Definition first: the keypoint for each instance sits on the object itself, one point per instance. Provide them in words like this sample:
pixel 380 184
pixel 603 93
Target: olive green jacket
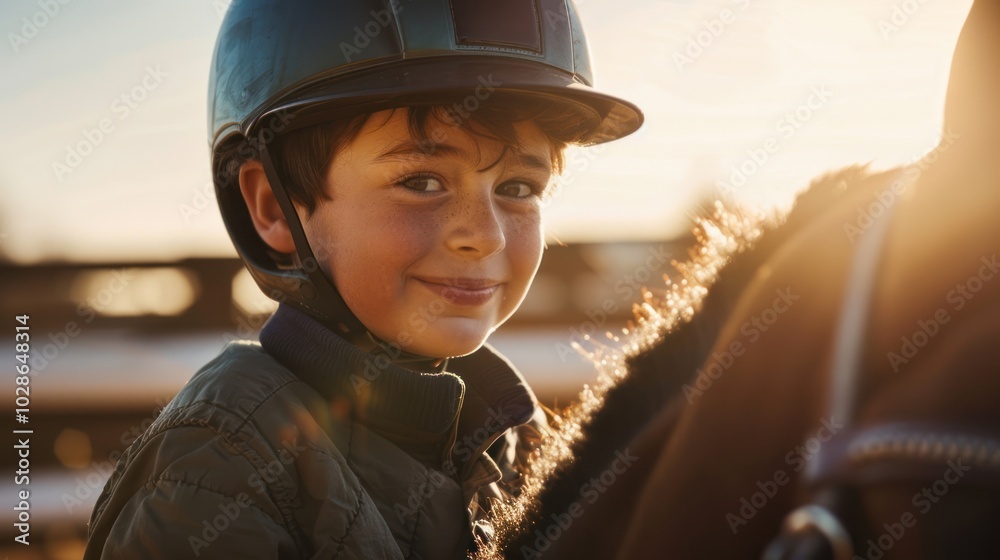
pixel 304 446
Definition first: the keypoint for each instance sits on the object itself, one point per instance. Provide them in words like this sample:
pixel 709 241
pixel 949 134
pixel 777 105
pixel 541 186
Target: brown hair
pixel 303 156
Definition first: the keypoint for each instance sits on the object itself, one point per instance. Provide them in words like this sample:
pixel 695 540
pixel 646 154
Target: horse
pixel 816 385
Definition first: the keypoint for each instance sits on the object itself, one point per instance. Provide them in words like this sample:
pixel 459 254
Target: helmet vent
pixel 511 23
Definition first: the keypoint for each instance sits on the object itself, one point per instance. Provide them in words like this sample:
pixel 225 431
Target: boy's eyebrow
pixel 409 148
pixel 532 161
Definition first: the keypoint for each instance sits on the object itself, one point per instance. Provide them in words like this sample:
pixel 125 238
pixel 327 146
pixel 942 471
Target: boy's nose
pixel 475 226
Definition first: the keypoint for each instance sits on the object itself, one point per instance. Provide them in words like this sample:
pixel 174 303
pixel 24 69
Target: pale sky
pixel 819 84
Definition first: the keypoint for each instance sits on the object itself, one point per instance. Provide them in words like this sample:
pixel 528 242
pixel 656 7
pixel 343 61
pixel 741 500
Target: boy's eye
pixel 515 189
pixel 423 184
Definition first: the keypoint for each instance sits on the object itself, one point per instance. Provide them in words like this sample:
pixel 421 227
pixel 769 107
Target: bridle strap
pixel 808 527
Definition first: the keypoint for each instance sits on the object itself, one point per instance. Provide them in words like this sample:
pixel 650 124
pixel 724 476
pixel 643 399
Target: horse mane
pixel 671 337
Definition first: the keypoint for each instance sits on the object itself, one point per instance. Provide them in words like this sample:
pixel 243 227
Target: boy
pixel 379 168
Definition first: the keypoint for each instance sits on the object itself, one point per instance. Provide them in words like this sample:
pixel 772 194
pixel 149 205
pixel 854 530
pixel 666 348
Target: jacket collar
pixel 445 419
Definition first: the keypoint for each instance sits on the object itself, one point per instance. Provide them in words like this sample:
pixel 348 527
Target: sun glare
pixel 743 98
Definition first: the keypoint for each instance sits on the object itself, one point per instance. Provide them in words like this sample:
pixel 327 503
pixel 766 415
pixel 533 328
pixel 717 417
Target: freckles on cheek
pixel 396 239
pixel 525 238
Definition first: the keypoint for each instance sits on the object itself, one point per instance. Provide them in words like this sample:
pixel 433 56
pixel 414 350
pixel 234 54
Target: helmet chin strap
pixel 316 294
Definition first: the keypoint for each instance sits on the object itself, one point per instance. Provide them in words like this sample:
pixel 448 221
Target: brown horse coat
pixel 720 465
pixel 727 475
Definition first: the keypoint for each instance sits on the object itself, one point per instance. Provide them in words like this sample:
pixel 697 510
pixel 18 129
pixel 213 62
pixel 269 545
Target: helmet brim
pixel 427 81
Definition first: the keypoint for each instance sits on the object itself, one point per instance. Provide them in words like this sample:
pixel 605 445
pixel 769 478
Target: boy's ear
pixel 267 216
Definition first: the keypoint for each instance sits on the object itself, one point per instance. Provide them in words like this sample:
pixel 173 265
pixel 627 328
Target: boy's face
pixel 433 248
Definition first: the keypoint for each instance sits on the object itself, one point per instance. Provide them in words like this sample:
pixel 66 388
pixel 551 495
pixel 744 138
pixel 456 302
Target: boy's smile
pixel 433 244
